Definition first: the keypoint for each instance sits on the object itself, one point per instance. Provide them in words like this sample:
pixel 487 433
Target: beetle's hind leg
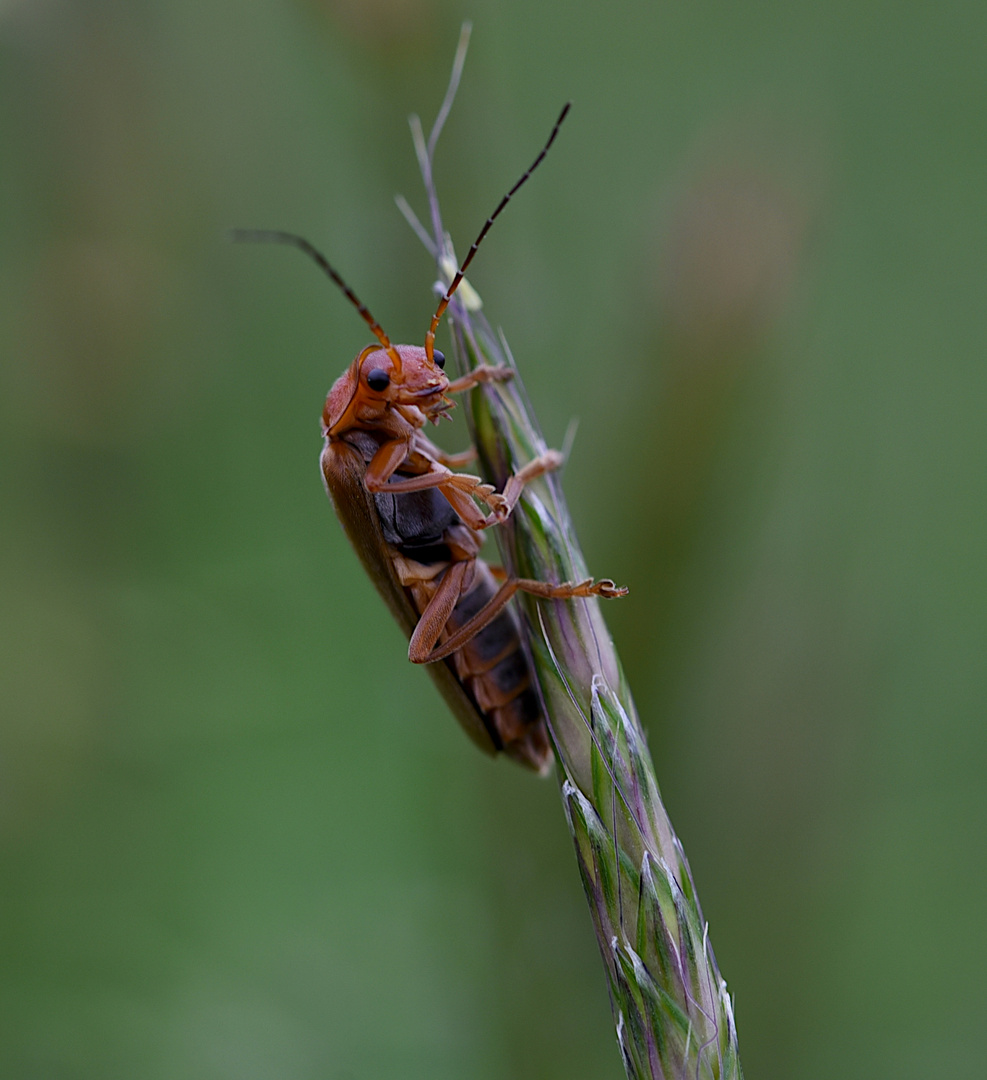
pixel 436 614
pixel 422 648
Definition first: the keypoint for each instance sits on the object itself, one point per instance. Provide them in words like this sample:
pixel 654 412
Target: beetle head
pixel 375 381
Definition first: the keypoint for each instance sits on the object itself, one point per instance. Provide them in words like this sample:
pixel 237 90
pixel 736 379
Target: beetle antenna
pixel 454 285
pixel 276 236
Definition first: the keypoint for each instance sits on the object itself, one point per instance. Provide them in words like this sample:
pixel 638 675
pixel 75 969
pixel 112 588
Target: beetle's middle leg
pixel 458 488
pixel 549 461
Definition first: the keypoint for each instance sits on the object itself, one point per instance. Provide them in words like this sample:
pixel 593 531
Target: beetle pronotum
pixel 417 525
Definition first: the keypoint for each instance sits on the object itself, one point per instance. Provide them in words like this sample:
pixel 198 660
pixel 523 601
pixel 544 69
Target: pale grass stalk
pixel 673 1015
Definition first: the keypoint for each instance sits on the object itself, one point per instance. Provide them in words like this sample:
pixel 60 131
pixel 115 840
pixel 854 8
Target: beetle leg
pixel 547 462
pixel 566 591
pixel 482 373
pixel 503 503
pixel 391 455
pixel 459 488
pixel 500 505
pixel 385 463
pixel 436 614
pixel 453 461
pixel 471 515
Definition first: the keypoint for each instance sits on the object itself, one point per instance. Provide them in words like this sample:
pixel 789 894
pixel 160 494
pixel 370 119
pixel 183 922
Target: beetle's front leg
pixel 458 460
pixel 451 461
pixel 482 373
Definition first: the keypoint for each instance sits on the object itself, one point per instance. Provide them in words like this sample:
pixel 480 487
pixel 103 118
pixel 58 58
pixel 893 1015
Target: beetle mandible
pixel 417 525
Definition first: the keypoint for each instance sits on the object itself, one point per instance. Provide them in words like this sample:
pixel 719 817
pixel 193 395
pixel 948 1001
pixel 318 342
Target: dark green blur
pixel 240 837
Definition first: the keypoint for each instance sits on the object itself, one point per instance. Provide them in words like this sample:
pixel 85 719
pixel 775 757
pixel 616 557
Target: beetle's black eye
pixel 378 380
pixel 439 358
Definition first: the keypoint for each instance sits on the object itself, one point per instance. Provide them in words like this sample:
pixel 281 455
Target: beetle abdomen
pixel 494 670
pixel 415 521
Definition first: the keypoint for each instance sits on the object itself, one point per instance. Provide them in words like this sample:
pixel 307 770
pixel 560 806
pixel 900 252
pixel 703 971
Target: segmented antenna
pixel 275 236
pixel 454 285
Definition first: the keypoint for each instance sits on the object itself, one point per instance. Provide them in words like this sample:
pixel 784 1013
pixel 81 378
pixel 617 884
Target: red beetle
pixel 417 525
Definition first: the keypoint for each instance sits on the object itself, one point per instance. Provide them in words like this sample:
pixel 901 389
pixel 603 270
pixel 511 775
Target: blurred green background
pixel 241 837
